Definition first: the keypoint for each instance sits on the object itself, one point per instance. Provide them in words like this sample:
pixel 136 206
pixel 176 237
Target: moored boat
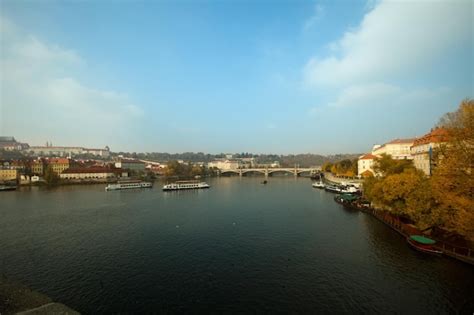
pixel 319 184
pixel 349 190
pixel 186 184
pixel 128 185
pixel 7 187
pixel 423 244
pixel 333 188
pixel 346 199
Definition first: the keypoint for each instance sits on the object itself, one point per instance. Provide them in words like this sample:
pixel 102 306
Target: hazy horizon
pixel 316 77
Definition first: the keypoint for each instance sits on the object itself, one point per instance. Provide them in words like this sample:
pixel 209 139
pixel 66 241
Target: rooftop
pixel 82 170
pixel 434 136
pixel 368 156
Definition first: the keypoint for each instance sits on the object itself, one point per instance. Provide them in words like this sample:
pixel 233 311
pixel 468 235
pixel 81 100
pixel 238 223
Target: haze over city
pixel 320 77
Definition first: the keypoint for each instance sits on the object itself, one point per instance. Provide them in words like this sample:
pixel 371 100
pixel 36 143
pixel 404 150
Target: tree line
pixel 444 200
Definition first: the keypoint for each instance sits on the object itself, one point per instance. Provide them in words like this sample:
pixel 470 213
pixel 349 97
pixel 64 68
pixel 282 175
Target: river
pixel 238 247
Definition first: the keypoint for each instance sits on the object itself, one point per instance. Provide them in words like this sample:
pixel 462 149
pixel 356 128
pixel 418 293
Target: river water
pixel 238 247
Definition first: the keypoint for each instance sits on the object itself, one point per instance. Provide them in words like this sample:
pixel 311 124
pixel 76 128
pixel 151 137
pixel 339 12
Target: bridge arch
pixel 255 171
pixel 229 172
pixel 285 171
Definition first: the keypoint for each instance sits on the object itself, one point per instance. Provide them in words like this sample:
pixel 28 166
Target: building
pixel 10 144
pixel 225 164
pixel 60 151
pixel 423 147
pixel 98 152
pixel 130 164
pixel 88 173
pixel 9 174
pixel 365 165
pixel 55 151
pixel 59 165
pixel 398 149
pixel 37 167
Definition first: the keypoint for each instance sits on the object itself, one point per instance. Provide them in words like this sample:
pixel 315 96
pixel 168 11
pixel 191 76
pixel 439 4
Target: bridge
pixel 296 171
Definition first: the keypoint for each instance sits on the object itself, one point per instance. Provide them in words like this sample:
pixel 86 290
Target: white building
pixel 423 147
pixel 88 173
pixel 225 164
pixel 365 165
pixel 67 151
pixel 398 149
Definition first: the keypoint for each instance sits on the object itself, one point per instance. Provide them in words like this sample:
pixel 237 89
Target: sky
pixel 217 76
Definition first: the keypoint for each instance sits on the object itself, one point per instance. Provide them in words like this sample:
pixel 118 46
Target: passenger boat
pixel 186 184
pixel 423 244
pixel 128 185
pixel 332 188
pixel 7 187
pixel 349 190
pixel 319 184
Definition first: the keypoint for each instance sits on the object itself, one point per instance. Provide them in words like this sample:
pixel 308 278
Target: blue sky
pixel 231 76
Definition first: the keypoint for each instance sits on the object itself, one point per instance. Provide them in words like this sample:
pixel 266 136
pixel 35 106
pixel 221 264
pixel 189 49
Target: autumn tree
pixel 452 180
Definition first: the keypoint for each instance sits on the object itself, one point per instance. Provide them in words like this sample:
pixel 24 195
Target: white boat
pixel 319 184
pixel 7 187
pixel 128 185
pixel 331 188
pixel 349 190
pixel 186 184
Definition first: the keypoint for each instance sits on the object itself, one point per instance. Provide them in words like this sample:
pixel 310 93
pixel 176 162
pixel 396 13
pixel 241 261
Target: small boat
pixel 128 185
pixel 264 182
pixel 319 184
pixel 423 244
pixel 186 184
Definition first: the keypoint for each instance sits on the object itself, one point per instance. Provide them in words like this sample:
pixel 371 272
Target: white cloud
pixel 42 98
pixel 372 95
pixel 318 14
pixel 394 39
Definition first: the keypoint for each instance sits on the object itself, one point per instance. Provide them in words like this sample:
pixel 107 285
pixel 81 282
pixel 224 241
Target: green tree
pixel 385 165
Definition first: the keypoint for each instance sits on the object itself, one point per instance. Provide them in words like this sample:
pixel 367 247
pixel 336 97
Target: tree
pixel 385 165
pixel 452 179
pixel 50 176
pixel 327 166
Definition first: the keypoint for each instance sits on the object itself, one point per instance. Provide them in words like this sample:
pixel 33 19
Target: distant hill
pixel 303 160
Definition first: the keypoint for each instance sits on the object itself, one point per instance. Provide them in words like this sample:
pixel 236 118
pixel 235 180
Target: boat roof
pixel 187 181
pixel 349 197
pixel 422 239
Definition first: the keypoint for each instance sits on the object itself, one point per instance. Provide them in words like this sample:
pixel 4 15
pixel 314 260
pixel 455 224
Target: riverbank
pixel 16 298
pixel 464 254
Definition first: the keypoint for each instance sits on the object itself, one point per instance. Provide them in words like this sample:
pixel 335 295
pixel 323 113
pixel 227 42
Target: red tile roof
pixel 368 157
pixel 82 170
pixel 131 161
pixel 58 161
pixel 399 141
pixel 434 136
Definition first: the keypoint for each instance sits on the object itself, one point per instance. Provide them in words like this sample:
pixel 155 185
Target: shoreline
pixel 16 298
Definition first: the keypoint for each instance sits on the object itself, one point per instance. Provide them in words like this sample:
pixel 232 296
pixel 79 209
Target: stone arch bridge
pixel 296 171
